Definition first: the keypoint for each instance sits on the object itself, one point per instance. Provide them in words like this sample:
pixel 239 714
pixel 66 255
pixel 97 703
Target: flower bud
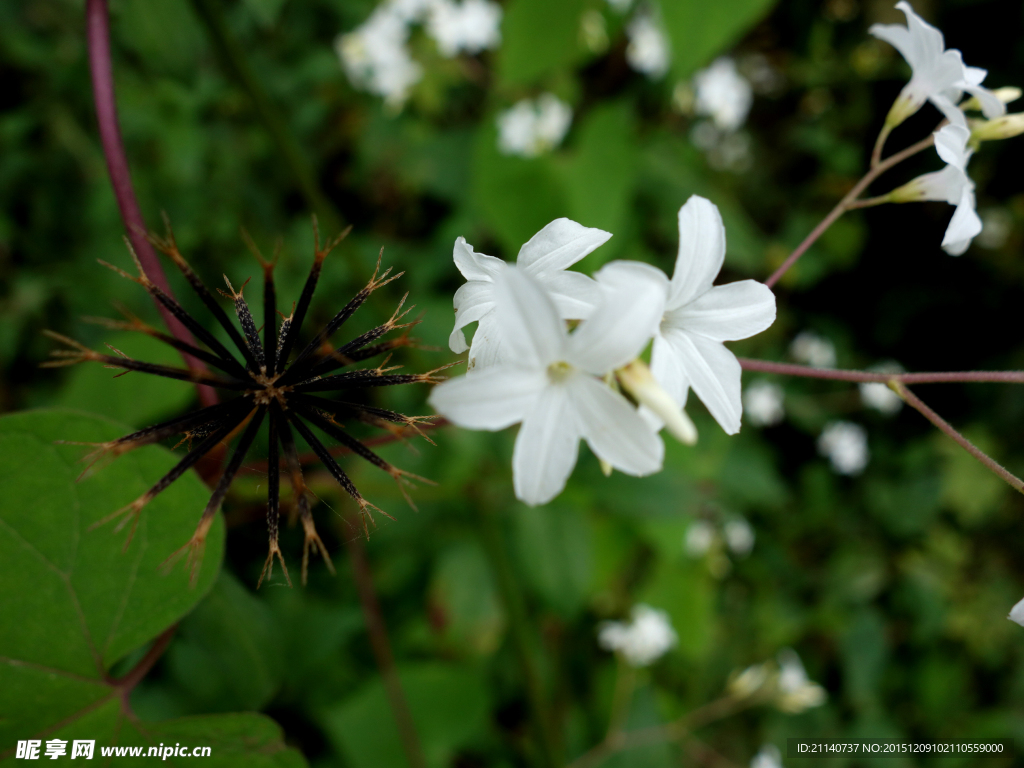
pixel 1005 95
pixel 637 380
pixel 1003 127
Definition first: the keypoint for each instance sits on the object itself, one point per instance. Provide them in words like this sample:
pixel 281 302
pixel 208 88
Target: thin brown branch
pixel 835 374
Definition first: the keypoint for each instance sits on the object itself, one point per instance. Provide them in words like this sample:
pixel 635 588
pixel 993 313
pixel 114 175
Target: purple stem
pixel 787 369
pixel 97 25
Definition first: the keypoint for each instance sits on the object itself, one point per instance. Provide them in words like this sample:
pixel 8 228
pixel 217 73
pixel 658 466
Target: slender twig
pixel 868 202
pixel 915 402
pixel 835 374
pixel 98 32
pixel 876 153
pixel 843 205
pixel 514 604
pixel 126 684
pixel 381 645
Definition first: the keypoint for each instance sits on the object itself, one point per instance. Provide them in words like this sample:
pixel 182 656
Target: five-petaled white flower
pixel 545 257
pixel 548 379
pixel 698 316
pixel 939 74
pixel 952 185
pixel 642 641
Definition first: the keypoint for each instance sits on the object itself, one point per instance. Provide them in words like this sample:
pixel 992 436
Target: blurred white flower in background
pixel 1017 613
pixel 795 691
pixel 768 756
pixel 845 444
pixel 951 185
pixel 550 380
pixel 996 227
pixel 811 349
pixel 533 126
pixel 877 395
pixel 470 26
pixel 939 74
pixel 545 257
pixel 723 94
pixel 699 538
pixel 620 5
pixel 643 640
pixel 763 404
pixel 739 537
pixel 648 51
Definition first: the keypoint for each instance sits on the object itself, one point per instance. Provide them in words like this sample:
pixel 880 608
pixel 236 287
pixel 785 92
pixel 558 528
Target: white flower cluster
pixel 845 444
pixel 376 58
pixel 526 366
pixel 648 50
pixel 533 126
pixel 768 756
pixel 784 683
pixel 737 534
pixel 812 349
pixel 764 404
pixel 641 641
pixel 723 94
pixel 940 76
pixel 875 394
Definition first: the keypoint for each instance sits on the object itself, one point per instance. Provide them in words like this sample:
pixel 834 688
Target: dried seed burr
pixel 266 386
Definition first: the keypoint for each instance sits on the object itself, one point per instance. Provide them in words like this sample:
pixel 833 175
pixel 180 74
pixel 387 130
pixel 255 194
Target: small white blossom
pixel 951 185
pixel 845 444
pixel 699 538
pixel 532 127
pixel 939 74
pixel 470 26
pixel 795 691
pixel 546 257
pixel 1017 613
pixel 811 349
pixel 550 381
pixel 763 404
pixel 877 395
pixel 375 58
pixel 769 756
pixel 739 537
pixel 749 681
pixel 723 94
pixel 621 6
pixel 697 317
pixel 642 641
pixel 648 49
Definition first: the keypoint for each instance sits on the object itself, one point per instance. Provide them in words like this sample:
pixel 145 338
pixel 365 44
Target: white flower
pixel 811 349
pixel 642 641
pixel 1017 613
pixel 939 74
pixel 467 27
pixel 620 5
pixel 532 127
pixel 763 404
pixel 546 257
pixel 749 681
pixel 375 57
pixel 548 380
pixel 648 49
pixel 951 185
pixel 846 446
pixel 698 316
pixel 739 537
pixel 877 395
pixel 768 757
pixel 723 94
pixel 795 692
pixel 699 538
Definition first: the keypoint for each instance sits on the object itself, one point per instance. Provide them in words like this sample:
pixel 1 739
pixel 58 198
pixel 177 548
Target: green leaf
pixel 448 704
pixel 465 597
pixel 700 31
pixel 968 487
pixel 164 33
pixel 538 37
pixel 135 398
pixel 76 601
pixel 553 548
pixel 684 590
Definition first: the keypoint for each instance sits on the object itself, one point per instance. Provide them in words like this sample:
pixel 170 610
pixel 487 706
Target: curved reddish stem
pixel 836 374
pixel 97 26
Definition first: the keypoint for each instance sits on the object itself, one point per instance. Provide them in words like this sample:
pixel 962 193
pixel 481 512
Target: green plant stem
pixel 237 65
pixel 516 609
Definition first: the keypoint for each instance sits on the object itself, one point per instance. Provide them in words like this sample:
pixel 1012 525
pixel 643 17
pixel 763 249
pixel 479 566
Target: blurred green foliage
pixel 893 587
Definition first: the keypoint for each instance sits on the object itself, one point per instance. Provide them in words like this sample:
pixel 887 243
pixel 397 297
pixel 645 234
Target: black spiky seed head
pixel 262 383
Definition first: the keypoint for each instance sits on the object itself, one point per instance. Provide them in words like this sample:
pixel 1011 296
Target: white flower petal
pixel 727 312
pixel 530 327
pixel 963 227
pixel 613 429
pixel 946 185
pixel 631 307
pixel 487 349
pixel 667 368
pixel 490 399
pixel 701 250
pixel 546 447
pixel 575 295
pixel 1017 613
pixel 951 145
pixel 558 246
pixel 472 301
pixel 475 266
pixel 991 105
pixel 714 374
